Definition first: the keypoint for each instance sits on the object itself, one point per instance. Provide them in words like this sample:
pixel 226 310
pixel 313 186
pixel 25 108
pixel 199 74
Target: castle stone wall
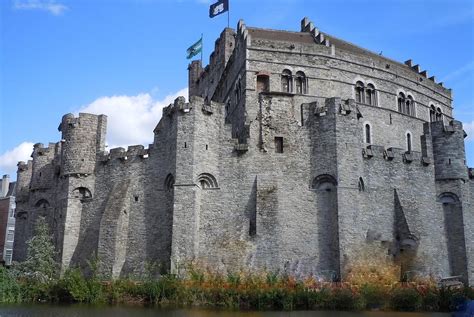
pixel 266 180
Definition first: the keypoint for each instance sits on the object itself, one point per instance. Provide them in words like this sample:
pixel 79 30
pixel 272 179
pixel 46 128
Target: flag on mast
pixel 194 49
pixel 219 7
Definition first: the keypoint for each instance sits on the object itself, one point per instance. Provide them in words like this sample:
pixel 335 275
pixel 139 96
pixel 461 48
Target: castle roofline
pixel 309 34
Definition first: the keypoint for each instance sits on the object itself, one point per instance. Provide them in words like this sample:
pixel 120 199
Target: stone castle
pixel 296 152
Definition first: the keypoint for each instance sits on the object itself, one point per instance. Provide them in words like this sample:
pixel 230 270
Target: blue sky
pixel 126 58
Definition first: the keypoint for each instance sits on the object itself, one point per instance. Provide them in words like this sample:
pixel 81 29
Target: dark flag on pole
pixel 194 49
pixel 219 7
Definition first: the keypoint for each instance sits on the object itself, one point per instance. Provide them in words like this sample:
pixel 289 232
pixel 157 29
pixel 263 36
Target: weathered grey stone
pixel 256 172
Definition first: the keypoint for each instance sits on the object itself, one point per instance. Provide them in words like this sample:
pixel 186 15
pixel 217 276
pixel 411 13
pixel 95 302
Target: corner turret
pixel 83 139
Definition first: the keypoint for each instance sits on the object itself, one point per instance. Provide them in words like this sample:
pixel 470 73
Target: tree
pixel 40 262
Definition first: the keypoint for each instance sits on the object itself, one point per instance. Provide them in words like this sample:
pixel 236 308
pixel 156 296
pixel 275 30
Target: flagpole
pixel 202 47
pixel 228 13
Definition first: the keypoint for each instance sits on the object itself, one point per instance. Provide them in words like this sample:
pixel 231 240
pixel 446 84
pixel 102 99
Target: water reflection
pixel 121 311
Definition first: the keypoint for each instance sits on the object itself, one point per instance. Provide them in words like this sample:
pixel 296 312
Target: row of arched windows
pixel 365 94
pixel 406 104
pixel 204 180
pixel 298 80
pixel 435 114
pixel 369 140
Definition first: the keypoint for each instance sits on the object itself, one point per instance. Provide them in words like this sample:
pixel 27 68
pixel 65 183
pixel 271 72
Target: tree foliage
pixel 40 262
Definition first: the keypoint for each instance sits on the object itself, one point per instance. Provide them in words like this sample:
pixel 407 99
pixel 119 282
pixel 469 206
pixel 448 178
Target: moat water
pixel 123 311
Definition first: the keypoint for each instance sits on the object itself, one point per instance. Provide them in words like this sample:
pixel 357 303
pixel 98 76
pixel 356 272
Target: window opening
pixel 279 144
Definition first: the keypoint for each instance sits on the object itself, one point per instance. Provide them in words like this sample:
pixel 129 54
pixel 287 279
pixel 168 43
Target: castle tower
pixel 83 139
pixel 452 186
pixel 204 82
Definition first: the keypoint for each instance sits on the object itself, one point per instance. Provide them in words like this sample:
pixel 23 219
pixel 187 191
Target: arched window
pixel 370 95
pixel 324 182
pixel 439 114
pixel 432 114
pixel 286 81
pixel 206 181
pixel 454 229
pixel 359 92
pixel 401 102
pixel 410 106
pixel 169 182
pixel 408 142
pixel 300 82
pixel 367 133
pixel 448 198
pixel 263 83
pixel 42 203
pixel 81 193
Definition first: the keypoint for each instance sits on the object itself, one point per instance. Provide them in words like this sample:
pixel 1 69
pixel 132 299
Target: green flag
pixel 194 49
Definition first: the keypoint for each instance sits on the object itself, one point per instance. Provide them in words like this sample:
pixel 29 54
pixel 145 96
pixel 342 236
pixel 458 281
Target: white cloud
pixel 469 128
pixel 50 6
pixel 10 159
pixel 131 119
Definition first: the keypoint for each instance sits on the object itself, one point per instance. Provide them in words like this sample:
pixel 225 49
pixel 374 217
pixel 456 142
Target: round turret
pixel 82 138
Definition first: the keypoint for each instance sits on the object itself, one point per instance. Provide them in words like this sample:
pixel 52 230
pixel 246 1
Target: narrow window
pixel 136 198
pixel 370 95
pixel 279 144
pixel 408 142
pixel 207 147
pixel 410 109
pixel 8 256
pixel 359 92
pixel 401 102
pixel 10 234
pixel 286 81
pixel 432 114
pixel 368 139
pixel 300 83
pixel 185 145
pixel 361 185
pixel 262 83
pixel 439 115
pixel 302 114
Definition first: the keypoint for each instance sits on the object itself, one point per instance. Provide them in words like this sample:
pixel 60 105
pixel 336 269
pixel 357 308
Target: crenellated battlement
pixel 319 37
pixel 423 73
pixel 264 169
pixel 123 155
pixel 203 81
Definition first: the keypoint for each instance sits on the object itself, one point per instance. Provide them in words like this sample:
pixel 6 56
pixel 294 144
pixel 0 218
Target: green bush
pixel 373 296
pixel 10 289
pixel 405 299
pixel 344 299
pixel 81 289
pixel 321 299
pixel 431 300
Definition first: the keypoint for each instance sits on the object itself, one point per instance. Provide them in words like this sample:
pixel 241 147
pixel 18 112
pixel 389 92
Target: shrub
pixel 81 289
pixel 405 299
pixel 431 300
pixel 344 299
pixel 10 290
pixel 373 296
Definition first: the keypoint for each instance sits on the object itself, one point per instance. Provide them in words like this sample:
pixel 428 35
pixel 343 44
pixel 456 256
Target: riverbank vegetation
pixel 367 286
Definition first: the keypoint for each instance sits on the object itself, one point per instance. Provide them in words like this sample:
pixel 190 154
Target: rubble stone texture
pixel 277 162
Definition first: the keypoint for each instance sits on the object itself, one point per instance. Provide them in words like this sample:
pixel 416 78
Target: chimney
pixel 5 185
